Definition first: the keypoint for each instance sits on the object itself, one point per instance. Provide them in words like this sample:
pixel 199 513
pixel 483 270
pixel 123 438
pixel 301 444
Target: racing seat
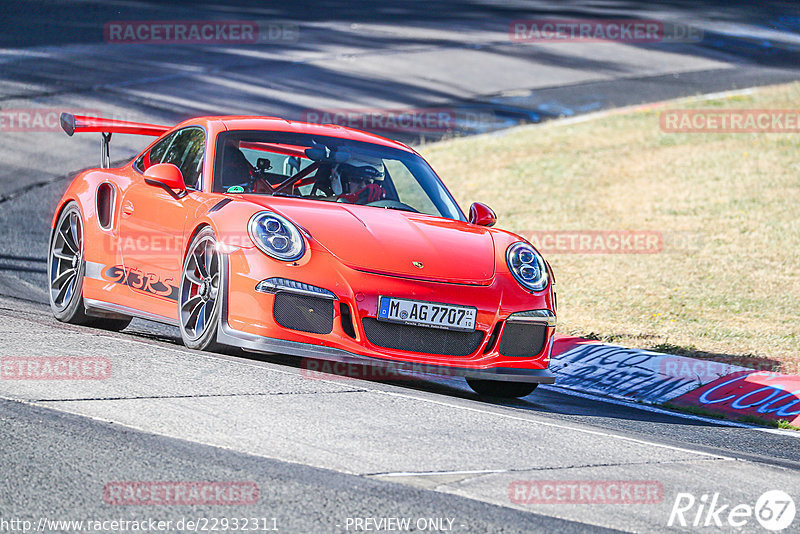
pixel 236 170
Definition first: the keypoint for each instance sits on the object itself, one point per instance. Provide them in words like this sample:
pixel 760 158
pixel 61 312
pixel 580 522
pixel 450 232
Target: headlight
pixel 276 236
pixel 527 266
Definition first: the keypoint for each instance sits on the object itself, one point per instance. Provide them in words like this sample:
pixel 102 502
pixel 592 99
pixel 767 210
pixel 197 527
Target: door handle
pixel 127 208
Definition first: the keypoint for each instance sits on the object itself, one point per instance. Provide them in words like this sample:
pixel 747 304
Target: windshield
pixel 329 169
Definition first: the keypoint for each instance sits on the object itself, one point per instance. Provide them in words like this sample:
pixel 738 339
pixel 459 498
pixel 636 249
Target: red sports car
pixel 300 239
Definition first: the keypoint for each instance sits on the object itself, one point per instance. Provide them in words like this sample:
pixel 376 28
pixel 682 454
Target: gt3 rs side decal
pixel 149 283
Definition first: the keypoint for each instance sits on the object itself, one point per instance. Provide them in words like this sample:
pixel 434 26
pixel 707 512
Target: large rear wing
pixel 78 123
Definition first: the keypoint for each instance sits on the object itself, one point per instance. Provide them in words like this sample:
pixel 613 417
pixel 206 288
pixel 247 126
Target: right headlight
pixel 527 266
pixel 276 236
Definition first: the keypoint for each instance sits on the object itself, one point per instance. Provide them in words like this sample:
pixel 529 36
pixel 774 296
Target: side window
pixel 155 154
pixel 186 152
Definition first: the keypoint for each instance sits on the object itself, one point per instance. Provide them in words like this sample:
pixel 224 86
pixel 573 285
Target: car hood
pixel 395 242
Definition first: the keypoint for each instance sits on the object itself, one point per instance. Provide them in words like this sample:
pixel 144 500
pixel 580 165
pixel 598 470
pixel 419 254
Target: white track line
pixel 559 426
pixel 367 388
pixel 437 473
pixel 595 115
pixel 365 385
pixel 653 106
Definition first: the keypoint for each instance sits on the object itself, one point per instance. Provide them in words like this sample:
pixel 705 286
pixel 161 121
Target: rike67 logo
pixel 774 510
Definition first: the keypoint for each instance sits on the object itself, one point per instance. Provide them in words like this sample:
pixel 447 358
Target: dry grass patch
pixel 727 283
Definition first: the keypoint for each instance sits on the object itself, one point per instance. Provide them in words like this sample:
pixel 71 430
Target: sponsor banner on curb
pixel 708 370
pixel 562 344
pixel 54 368
pixel 630 374
pixel 180 493
pixel 747 392
pixel 585 492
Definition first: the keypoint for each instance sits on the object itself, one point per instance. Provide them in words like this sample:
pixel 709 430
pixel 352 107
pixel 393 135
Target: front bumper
pixel 247 319
pixel 250 342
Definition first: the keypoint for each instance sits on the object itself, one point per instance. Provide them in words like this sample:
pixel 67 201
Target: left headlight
pixel 276 236
pixel 527 266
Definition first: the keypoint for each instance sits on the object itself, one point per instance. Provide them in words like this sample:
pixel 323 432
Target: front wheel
pixel 199 302
pixel 500 389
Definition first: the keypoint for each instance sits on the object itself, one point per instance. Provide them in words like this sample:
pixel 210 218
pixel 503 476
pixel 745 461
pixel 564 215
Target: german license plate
pixel 431 314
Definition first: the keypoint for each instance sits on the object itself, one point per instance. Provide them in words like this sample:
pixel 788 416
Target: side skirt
pixel 99 308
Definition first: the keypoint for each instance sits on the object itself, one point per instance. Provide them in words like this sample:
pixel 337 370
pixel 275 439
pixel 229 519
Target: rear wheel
pixel 66 267
pixel 199 300
pixel 500 389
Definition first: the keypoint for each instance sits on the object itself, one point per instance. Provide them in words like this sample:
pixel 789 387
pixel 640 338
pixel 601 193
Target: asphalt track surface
pixel 324 450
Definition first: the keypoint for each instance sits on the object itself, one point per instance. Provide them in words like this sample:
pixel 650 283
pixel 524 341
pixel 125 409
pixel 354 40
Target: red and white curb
pixel 654 378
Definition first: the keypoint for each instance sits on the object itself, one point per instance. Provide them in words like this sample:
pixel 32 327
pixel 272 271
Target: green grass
pixel 727 282
pixel 780 423
pixel 694 410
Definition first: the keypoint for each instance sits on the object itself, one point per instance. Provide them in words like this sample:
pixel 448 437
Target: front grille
pixel 421 339
pixel 307 314
pixel 522 339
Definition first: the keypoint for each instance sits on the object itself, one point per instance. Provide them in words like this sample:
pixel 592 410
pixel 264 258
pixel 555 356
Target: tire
pixel 66 266
pixel 199 302
pixel 500 389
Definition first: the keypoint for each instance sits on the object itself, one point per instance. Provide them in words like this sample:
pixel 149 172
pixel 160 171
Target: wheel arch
pixel 62 205
pixel 199 226
pixel 229 223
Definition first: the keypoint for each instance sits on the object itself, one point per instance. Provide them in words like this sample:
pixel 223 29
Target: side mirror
pixel 482 215
pixel 166 176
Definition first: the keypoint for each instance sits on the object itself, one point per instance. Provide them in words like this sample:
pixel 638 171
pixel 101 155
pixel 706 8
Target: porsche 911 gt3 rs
pixel 306 240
